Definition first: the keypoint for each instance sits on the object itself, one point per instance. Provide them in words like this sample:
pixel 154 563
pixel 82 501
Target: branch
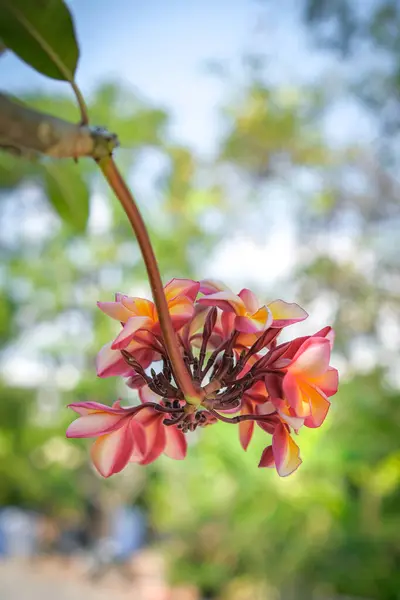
pixel 28 132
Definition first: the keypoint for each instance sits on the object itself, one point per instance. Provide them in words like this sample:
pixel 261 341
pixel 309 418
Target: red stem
pixel 239 418
pixel 118 185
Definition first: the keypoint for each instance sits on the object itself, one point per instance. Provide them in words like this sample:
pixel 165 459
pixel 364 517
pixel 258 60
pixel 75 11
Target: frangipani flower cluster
pixel 243 375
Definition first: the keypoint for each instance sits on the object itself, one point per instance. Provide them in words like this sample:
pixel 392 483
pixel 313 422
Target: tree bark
pixel 28 132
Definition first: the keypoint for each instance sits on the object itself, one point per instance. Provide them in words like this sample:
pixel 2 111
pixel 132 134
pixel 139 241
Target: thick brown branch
pixel 28 132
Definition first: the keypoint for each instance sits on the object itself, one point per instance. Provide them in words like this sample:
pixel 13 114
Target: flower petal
pixel 87 408
pixel 286 414
pixel 210 286
pixel 267 408
pixel 155 433
pixel 181 310
pixel 182 287
pixel 328 333
pixel 257 393
pixel 246 428
pixel 328 382
pixel 227 301
pixel 147 395
pixel 295 397
pixel 135 382
pixel 127 334
pixel 111 362
pixel 115 310
pixel 270 425
pixel 259 321
pixel 197 321
pixel 111 453
pixel 285 450
pixel 312 358
pixel 140 307
pixel 274 385
pixel 139 438
pixel 244 340
pixel 319 408
pixel 176 444
pixel 227 324
pixel 250 300
pixel 267 458
pixel 93 425
pixel 286 313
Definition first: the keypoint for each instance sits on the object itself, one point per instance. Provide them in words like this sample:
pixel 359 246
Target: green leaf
pixel 68 193
pixel 41 32
pixel 2 47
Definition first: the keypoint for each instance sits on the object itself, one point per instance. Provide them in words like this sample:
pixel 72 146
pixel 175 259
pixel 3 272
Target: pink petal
pixel 140 307
pixel 115 310
pixel 267 458
pixel 295 397
pixel 285 450
pixel 209 286
pixel 127 334
pixel 286 414
pixel 93 425
pixel 319 408
pixel 181 310
pixel 111 453
pixel 283 353
pixel 285 313
pixel 328 333
pixel 257 393
pixel 156 441
pixel 147 395
pixel 250 300
pixel 246 428
pixel 139 438
pixel 155 433
pixel 294 422
pixel 328 382
pixel 226 301
pixel 135 382
pixel 259 321
pixel 145 357
pixel 312 358
pixel 197 321
pixel 176 444
pixel 270 425
pixel 274 385
pixel 227 324
pixel 86 408
pixel 182 287
pixel 267 408
pixel 111 362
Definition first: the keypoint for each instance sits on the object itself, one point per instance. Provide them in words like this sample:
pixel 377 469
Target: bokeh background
pixel 262 142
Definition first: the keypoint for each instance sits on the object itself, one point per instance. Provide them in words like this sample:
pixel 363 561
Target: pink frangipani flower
pixel 229 344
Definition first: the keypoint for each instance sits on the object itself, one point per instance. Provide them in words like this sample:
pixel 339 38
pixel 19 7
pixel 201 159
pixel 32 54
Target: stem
pixel 118 185
pixel 156 407
pixel 239 418
pixel 81 103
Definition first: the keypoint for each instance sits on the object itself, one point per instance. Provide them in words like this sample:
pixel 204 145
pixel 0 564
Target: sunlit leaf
pixel 68 193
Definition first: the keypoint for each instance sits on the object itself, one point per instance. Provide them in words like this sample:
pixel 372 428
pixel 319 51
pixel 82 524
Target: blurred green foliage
pixel 367 36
